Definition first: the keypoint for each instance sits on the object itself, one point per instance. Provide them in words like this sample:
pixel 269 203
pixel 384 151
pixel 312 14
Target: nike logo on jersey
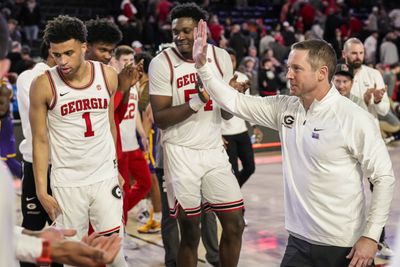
pixel 318 129
pixel 177 65
pixel 63 94
pixel 30 198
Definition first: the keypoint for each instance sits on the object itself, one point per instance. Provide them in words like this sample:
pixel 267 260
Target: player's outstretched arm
pixel 40 99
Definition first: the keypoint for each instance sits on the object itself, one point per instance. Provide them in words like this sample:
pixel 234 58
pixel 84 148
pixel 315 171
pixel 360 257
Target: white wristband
pixel 195 103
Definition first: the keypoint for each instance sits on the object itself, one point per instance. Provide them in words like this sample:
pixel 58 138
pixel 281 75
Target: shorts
pixel 99 203
pixel 197 179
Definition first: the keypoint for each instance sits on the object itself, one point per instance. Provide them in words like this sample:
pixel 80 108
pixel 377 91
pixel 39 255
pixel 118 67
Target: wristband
pixel 195 103
pixel 44 259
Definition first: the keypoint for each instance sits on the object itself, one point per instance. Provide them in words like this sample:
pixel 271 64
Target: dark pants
pixel 300 253
pixel 170 231
pixel 34 215
pixel 239 146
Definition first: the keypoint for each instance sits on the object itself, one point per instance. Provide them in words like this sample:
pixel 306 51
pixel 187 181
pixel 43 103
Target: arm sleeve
pixel 262 111
pixel 160 75
pixel 28 248
pixel 367 146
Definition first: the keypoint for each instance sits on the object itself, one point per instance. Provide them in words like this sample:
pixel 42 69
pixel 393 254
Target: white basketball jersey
pixel 201 130
pixel 128 124
pixel 82 146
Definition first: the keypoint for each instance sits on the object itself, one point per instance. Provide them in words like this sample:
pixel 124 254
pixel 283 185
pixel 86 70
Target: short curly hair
pixel 189 10
pixel 64 28
pixel 103 31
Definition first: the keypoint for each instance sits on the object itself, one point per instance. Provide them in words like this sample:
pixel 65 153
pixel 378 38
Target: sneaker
pixel 129 243
pixel 143 216
pixel 151 227
pixel 384 251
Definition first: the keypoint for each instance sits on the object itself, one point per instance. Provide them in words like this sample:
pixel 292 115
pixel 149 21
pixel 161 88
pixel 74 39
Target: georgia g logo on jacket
pixel 288 121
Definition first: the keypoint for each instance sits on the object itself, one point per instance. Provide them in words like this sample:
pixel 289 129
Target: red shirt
pixel 119 112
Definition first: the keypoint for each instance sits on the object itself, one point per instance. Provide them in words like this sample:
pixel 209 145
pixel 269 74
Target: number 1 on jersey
pixel 89 131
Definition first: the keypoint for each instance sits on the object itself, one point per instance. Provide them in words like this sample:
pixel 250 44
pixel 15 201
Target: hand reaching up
pixel 200 44
pixel 137 72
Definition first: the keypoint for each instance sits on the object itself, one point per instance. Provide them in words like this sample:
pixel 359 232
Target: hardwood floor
pixel 265 237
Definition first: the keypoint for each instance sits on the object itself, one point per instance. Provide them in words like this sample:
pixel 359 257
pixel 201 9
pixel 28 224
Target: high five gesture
pixel 200 44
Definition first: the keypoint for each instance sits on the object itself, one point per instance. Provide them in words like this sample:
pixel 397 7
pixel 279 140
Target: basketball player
pixel 103 37
pixel 72 111
pixel 132 162
pixel 329 144
pixel 34 217
pixel 196 164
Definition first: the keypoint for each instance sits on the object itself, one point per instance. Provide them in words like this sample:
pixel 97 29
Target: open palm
pixel 200 44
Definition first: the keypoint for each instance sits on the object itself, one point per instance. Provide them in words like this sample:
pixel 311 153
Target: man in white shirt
pixel 34 217
pixel 328 146
pixel 368 83
pixel 370 45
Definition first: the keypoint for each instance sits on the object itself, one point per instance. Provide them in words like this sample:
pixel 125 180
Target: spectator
pixel 30 19
pixel 216 29
pixel 288 34
pixel 370 45
pixel 15 33
pixel 268 78
pixel 128 9
pixel 238 42
pixel 372 22
pixel 388 50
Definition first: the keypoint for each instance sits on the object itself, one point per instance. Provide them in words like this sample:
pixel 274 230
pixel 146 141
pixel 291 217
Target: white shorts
pixel 99 203
pixel 194 177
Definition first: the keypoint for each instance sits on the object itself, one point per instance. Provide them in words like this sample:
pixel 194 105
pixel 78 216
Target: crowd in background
pixel 262 44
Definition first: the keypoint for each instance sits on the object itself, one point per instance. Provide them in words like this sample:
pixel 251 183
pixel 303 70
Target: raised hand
pixel 200 44
pixel 137 72
pixel 125 78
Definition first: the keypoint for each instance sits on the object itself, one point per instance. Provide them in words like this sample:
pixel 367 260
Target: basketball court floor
pixel 265 237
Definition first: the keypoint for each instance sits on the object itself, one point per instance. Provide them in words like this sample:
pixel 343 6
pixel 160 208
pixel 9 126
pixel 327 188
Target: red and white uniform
pixel 84 175
pixel 195 162
pixel 128 124
pixel 132 163
pixel 82 147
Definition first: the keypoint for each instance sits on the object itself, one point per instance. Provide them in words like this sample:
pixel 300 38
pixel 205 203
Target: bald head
pixel 353 53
